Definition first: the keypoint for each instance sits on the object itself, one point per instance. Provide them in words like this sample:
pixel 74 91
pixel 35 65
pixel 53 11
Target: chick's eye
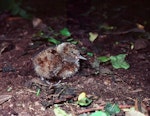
pixel 71 52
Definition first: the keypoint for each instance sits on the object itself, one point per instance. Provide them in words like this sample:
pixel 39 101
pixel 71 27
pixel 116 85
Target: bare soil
pixel 120 86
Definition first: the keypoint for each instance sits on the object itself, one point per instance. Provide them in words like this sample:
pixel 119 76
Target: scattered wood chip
pixel 5 46
pixel 4 98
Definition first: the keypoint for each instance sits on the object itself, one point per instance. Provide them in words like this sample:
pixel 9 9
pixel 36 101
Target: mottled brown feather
pixel 60 61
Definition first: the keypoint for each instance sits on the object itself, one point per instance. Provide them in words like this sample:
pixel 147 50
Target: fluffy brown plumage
pixel 60 61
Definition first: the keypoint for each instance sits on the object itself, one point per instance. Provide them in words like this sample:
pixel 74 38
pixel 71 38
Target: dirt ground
pixel 124 87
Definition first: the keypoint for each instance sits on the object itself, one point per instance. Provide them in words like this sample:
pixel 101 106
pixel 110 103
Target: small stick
pixel 100 108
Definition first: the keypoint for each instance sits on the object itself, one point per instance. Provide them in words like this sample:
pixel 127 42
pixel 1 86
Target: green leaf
pixel 54 41
pixel 103 58
pixel 119 61
pixel 59 112
pixel 99 113
pixel 65 32
pixel 112 108
pixel 84 101
pixel 90 54
pixel 70 39
pixel 38 92
pixel 74 42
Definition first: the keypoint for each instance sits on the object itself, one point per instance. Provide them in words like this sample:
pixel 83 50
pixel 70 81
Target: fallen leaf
pixel 90 54
pixel 112 108
pixel 65 32
pixel 99 113
pixel 59 112
pixel 54 41
pixel 119 61
pixel 93 36
pixel 139 26
pixel 103 58
pixel 81 96
pixel 83 100
pixel 38 92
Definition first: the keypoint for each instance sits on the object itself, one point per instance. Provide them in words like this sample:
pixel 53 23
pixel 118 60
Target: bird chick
pixel 70 59
pixel 60 61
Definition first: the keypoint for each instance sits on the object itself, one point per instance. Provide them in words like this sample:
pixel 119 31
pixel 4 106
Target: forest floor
pixel 19 84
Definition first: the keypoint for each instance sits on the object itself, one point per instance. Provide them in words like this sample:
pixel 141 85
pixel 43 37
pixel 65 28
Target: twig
pixel 100 108
pixel 128 31
pixel 90 110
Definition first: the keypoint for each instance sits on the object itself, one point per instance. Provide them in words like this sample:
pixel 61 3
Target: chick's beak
pixel 81 57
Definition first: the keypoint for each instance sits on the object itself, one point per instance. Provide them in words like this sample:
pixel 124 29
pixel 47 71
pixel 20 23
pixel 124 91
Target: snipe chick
pixel 61 61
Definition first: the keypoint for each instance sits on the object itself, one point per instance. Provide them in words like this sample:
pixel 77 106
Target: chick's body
pixel 47 63
pixel 61 61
